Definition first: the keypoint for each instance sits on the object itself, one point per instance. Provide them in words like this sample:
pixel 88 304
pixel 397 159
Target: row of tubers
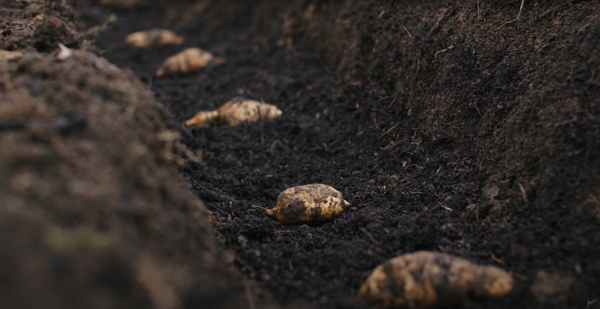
pixel 416 280
pixel 193 60
pixel 188 61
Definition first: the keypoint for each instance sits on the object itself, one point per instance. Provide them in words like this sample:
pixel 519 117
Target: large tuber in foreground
pixel 234 113
pixel 308 203
pixel 432 280
pixel 153 38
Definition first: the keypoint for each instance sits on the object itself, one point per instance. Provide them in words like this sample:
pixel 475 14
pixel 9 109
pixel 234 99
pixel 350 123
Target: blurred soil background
pixel 470 128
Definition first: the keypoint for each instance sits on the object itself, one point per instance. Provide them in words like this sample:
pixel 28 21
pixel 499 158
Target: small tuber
pixel 308 203
pixel 189 60
pixel 153 38
pixel 234 113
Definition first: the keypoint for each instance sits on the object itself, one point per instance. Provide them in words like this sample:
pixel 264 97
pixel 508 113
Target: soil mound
pixel 93 213
pixel 469 128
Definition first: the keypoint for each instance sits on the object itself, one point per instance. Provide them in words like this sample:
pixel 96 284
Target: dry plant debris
pixel 6 55
pixel 308 203
pixel 432 280
pixel 153 38
pixel 189 60
pixel 234 113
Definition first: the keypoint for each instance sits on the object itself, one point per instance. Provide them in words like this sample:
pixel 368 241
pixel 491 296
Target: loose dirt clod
pixel 64 52
pixel 188 61
pixel 308 203
pixel 153 38
pixel 234 113
pixel 432 280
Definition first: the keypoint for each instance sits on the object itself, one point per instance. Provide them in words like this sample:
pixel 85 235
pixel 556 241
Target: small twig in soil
pixel 390 146
pixel 523 192
pixel 446 207
pixel 497 260
pixel 518 16
pixel 393 101
pixel 259 207
pixel 364 231
pixel 478 10
pixel 410 35
pixel 520 9
pixel 388 131
pixel 375 120
pixel 94 31
pixel 248 295
pixel 477 108
pixel 552 10
pixel 443 50
pixel 439 20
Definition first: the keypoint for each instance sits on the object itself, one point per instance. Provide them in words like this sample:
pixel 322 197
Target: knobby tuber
pixel 189 60
pixel 234 113
pixel 308 203
pixel 153 38
pixel 432 280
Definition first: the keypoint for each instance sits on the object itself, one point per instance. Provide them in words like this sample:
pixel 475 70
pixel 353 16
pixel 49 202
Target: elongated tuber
pixel 234 113
pixel 153 38
pixel 432 280
pixel 189 60
pixel 308 203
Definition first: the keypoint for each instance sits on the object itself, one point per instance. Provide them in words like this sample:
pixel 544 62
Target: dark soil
pixel 93 213
pixel 449 127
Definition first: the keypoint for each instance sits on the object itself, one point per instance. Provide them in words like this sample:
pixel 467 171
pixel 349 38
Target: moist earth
pixel 469 128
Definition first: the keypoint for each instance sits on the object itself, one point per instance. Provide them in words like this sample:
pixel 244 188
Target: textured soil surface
pixel 449 127
pixel 93 213
pixel 469 128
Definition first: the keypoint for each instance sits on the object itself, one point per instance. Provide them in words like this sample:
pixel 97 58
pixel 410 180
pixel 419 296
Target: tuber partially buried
pixel 153 38
pixel 308 203
pixel 234 113
pixel 432 280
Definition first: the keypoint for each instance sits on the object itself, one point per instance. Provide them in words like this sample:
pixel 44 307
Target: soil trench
pixel 440 138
